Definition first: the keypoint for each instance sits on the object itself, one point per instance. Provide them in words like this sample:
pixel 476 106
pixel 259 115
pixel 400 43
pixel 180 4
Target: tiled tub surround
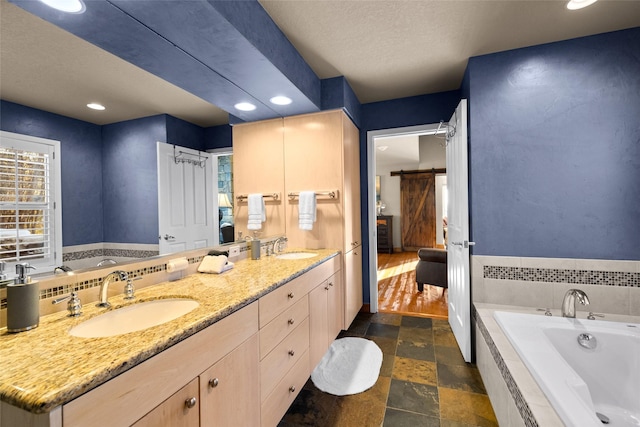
pixel 516 397
pixel 512 283
pixel 87 256
pixel 612 286
pixel 48 367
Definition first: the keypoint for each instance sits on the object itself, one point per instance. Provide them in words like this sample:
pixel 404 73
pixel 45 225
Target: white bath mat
pixel 350 366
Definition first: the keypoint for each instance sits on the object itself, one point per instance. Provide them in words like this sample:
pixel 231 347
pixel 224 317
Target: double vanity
pixel 235 349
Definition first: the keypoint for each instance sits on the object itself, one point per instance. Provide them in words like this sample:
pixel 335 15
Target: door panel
pixel 458 232
pixel 185 202
pixel 418 210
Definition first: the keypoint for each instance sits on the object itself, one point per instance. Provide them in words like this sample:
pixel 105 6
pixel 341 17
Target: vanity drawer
pixel 276 404
pixel 283 357
pixel 281 326
pixel 288 294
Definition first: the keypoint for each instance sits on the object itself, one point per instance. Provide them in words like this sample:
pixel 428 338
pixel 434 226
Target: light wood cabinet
pixel 325 316
pixel 244 370
pixel 181 409
pixel 258 167
pixel 353 294
pixel 275 405
pixel 285 338
pixel 352 211
pixel 310 152
pixel 322 154
pixel 136 392
pixel 228 393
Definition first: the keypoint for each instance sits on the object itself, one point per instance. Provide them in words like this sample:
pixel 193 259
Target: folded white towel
pixel 214 264
pixel 307 210
pixel 257 212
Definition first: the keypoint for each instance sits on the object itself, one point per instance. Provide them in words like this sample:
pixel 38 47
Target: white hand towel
pixel 257 212
pixel 214 264
pixel 307 210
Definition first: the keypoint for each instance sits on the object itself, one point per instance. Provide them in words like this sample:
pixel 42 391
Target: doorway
pixel 395 290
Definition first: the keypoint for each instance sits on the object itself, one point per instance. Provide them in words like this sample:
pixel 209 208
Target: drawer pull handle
pixel 191 402
pixel 291 352
pixel 292 389
pixel 326 288
pixel 290 321
pixel 213 383
pixel 330 283
pixel 290 295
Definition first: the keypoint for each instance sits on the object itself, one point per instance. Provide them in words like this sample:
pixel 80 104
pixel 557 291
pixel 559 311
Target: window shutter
pixel 26 205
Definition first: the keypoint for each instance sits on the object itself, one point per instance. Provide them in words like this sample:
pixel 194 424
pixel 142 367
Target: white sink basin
pixel 133 318
pixel 296 255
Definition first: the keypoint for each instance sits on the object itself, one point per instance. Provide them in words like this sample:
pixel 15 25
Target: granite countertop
pixel 47 367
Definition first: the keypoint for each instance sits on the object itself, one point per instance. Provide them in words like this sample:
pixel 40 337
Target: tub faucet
pixel 569 302
pixel 122 275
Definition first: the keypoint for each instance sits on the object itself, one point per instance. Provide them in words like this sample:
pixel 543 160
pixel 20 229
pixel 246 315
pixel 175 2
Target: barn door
pixel 418 210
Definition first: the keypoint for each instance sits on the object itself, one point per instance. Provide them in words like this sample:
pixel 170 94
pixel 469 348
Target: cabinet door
pixel 318 323
pixel 181 409
pixel 313 162
pixel 352 285
pixel 228 391
pixel 335 307
pixel 352 221
pixel 258 167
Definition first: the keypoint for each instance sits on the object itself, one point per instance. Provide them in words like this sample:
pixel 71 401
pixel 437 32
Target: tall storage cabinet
pixel 258 167
pixel 311 152
pixel 321 153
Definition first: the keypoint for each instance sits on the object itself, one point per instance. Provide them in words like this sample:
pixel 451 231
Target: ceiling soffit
pixel 191 45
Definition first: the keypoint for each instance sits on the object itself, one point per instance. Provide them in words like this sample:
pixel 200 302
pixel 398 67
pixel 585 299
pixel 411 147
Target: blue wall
pixel 555 149
pixel 81 162
pixel 218 137
pixel 109 173
pixel 130 180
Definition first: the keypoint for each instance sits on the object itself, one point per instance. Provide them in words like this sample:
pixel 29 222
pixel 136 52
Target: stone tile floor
pixel 423 382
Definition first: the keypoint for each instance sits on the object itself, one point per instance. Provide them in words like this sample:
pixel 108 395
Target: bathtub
pixel 588 369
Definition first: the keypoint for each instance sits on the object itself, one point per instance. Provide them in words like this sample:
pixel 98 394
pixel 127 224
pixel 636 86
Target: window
pixel 30 224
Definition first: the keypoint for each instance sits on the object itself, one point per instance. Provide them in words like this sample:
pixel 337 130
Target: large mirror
pixel 57 68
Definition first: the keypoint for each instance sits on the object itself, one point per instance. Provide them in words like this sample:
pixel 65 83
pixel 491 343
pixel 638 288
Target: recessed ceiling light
pixel 383 147
pixel 280 100
pixel 245 106
pixel 95 106
pixel 69 6
pixel 579 4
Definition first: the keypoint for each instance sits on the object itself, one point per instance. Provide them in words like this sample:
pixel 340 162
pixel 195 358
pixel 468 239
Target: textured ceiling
pixel 385 49
pixel 394 49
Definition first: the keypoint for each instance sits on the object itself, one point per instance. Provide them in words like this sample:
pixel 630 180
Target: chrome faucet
pixel 276 245
pixel 569 302
pixel 122 275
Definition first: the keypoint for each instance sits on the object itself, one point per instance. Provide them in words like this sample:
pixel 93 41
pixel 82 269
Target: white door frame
pixel 429 129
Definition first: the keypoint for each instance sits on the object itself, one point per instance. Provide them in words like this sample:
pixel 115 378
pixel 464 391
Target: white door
pixel 187 216
pixel 458 231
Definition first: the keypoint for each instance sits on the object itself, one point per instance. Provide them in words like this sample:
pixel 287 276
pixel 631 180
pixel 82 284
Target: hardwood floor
pixel 397 290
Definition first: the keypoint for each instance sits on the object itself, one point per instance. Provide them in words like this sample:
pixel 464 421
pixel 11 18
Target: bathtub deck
pixel 516 397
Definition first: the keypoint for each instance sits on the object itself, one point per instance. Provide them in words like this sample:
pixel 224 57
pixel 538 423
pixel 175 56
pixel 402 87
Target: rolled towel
pixel 214 264
pixel 307 210
pixel 256 210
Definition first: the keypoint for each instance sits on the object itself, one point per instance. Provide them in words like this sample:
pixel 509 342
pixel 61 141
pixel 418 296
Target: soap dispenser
pixel 23 302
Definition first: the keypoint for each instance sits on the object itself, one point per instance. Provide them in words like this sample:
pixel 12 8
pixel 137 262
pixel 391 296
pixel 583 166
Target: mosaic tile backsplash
pixel 128 253
pixel 553 275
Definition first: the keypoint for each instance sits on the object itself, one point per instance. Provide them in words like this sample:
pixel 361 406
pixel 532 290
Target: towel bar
pixel 243 197
pixel 332 194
